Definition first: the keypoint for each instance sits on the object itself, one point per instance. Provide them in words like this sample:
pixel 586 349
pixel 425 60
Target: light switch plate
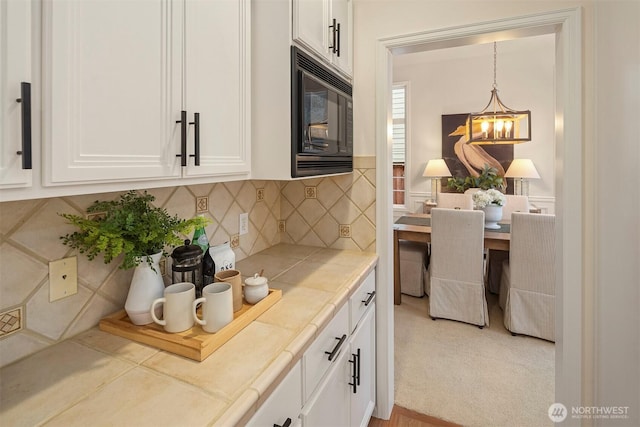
pixel 63 278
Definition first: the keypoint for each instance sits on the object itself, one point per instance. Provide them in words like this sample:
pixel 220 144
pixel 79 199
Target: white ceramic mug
pixel 176 312
pixel 217 306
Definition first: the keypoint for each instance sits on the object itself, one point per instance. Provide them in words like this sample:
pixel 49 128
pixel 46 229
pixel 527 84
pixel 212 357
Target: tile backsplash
pixel 336 212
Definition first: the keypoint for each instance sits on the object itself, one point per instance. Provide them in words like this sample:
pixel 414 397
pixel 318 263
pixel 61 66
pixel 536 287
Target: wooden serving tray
pixel 193 343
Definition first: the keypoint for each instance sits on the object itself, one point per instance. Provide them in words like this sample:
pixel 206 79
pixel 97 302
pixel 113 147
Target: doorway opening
pixel 566 25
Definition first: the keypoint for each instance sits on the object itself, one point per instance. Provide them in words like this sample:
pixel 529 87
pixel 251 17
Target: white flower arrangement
pixel 484 198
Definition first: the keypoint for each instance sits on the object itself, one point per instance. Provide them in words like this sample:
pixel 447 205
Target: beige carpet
pixel 471 376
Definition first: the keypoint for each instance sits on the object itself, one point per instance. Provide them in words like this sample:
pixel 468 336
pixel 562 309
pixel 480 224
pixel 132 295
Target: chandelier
pixel 497 123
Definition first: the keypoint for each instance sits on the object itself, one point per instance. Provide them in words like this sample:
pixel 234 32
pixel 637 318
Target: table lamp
pixel 436 169
pixel 522 170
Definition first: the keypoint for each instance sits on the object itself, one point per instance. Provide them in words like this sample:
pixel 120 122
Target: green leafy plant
pixel 487 179
pixel 131 226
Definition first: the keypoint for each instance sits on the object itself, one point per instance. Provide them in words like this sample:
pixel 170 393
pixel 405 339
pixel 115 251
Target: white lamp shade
pixel 436 168
pixel 522 168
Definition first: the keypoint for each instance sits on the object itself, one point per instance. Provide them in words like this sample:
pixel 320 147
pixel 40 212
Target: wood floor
pixel 402 417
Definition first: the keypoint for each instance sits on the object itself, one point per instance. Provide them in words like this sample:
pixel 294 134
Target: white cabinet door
pixel 363 370
pixel 111 90
pixel 284 404
pixel 15 57
pixel 341 11
pixel 217 75
pixel 311 24
pixel 325 27
pixel 329 405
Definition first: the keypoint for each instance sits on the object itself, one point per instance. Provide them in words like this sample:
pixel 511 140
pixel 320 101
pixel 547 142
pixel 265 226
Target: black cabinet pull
pixel 335 350
pixel 196 138
pixel 287 423
pixel 355 377
pixel 358 366
pixel 183 138
pixel 25 100
pixel 368 300
pixel 333 31
pixel 337 50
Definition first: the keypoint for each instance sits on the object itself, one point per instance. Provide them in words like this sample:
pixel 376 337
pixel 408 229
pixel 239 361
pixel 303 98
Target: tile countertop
pixel 102 379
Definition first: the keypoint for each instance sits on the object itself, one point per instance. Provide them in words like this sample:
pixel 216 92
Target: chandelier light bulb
pixel 499 125
pixel 507 126
pixel 485 129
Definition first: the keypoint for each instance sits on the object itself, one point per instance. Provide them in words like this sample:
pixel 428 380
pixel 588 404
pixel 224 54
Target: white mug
pixel 176 312
pixel 217 306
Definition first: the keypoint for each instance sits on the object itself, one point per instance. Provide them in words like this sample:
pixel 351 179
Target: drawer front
pixel 333 339
pixel 362 299
pixel 284 403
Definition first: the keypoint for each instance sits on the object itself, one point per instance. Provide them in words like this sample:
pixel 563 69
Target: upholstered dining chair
pixel 456 267
pixel 514 204
pixel 528 285
pixel 496 258
pixel 455 201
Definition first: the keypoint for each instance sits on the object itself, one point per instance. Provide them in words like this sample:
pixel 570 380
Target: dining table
pixel 417 228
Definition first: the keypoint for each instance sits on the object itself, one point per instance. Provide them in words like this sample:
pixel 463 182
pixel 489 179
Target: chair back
pixel 532 254
pixel 514 204
pixel 455 201
pixel 457 242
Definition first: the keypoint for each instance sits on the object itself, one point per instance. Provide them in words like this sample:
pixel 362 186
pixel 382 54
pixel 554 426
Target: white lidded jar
pixel 255 288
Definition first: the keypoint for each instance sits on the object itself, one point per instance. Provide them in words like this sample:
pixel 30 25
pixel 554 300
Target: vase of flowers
pixel 491 202
pixel 131 226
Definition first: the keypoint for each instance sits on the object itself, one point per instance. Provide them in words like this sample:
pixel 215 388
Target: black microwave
pixel 321 119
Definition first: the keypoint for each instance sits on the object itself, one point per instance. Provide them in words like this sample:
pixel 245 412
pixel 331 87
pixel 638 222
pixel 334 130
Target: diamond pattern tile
pixel 10 322
pixel 306 212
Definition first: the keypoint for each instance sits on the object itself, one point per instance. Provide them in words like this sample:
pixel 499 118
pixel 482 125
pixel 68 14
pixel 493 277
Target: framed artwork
pixel 464 159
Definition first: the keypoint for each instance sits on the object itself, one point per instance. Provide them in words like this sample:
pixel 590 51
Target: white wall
pixel 459 80
pixel 608 316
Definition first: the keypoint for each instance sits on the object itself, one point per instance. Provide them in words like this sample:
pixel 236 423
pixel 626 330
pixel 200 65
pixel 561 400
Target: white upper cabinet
pixel 218 71
pixel 341 11
pixel 15 85
pixel 325 27
pixel 117 76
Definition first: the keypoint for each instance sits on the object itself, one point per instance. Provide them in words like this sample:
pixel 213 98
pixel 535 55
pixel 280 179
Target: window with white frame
pixel 399 116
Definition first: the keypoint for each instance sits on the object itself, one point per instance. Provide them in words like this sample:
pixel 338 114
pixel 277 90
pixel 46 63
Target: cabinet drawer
pixel 284 403
pixel 362 299
pixel 333 339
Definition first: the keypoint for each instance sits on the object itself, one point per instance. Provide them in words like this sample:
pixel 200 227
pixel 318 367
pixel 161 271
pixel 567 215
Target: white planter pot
pixel 492 214
pixel 146 286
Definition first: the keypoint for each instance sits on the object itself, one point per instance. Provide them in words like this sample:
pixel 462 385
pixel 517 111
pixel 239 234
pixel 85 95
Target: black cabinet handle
pixel 355 377
pixel 183 138
pixel 335 350
pixel 287 423
pixel 25 100
pixel 196 139
pixel 337 51
pixel 368 300
pixel 333 31
pixel 358 366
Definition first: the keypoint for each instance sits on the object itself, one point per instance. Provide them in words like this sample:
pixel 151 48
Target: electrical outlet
pixel 63 278
pixel 244 224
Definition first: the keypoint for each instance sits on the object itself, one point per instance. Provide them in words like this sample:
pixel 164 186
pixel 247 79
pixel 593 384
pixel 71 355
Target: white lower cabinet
pixel 329 405
pixel 334 384
pixel 346 395
pixel 283 407
pixel 363 369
